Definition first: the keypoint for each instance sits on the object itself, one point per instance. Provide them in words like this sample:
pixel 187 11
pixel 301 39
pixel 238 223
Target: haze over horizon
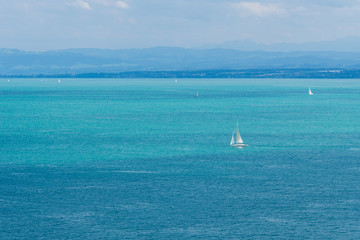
pixel 35 25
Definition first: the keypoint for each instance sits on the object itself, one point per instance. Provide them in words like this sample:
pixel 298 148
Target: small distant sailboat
pixel 59 81
pixel 197 94
pixel 8 80
pixel 176 80
pixel 237 142
pixel 310 92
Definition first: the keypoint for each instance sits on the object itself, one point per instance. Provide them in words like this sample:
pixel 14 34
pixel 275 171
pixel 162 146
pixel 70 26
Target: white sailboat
pixel 197 94
pixel 310 92
pixel 237 142
pixel 176 80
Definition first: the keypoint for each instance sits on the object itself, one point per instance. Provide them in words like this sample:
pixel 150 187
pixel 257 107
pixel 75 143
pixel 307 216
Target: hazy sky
pixel 59 24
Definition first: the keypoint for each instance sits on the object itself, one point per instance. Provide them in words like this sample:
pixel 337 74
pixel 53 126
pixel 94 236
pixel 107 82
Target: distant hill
pixel 349 44
pixel 79 61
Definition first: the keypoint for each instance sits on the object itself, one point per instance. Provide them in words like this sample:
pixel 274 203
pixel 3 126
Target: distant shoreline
pixel 230 73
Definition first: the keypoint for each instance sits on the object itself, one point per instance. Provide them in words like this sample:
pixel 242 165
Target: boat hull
pixel 239 145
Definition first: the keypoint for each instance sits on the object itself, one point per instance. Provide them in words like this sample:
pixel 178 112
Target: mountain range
pixel 348 44
pixel 230 56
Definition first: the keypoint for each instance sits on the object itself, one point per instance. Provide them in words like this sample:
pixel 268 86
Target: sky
pixel 113 24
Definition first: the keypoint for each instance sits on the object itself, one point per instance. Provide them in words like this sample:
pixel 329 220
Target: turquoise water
pixel 145 159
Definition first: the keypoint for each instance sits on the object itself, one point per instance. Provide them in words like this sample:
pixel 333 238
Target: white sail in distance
pixel 238 137
pixel 236 141
pixel 310 93
pixel 232 139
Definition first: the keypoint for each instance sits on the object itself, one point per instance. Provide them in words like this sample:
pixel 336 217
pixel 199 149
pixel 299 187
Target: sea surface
pixel 146 159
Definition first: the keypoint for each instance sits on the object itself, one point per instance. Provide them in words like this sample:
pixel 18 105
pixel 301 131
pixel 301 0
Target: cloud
pixel 81 4
pixel 260 9
pixel 121 4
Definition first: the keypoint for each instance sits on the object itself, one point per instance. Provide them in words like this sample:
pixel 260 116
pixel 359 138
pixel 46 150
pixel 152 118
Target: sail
pixel 310 93
pixel 232 139
pixel 238 137
pixel 236 140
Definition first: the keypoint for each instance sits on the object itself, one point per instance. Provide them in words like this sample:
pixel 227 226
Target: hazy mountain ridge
pixel 78 61
pixel 349 44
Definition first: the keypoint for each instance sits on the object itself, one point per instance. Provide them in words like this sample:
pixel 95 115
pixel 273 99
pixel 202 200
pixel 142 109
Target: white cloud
pixel 121 4
pixel 260 9
pixel 81 4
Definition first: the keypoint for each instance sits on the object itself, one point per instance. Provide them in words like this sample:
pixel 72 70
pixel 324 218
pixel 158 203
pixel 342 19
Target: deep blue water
pixel 145 159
